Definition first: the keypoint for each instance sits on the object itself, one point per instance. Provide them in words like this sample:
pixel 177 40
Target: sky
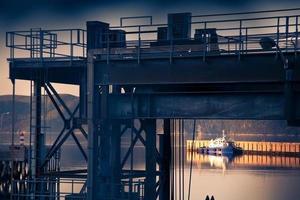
pixel 49 14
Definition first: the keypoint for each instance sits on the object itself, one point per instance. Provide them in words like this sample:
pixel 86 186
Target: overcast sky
pixel 26 14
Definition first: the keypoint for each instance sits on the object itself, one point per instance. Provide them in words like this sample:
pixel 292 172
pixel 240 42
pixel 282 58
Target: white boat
pixel 221 146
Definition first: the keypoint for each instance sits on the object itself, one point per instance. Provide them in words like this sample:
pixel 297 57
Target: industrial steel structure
pixel 235 66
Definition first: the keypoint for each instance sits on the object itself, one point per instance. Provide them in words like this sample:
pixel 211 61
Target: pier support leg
pixel 165 152
pixel 115 158
pixel 39 135
pixel 150 182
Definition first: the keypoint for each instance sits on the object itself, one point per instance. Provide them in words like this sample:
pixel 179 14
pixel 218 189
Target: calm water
pixel 248 177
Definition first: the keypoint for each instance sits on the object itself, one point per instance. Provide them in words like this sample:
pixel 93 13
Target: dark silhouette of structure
pixel 132 75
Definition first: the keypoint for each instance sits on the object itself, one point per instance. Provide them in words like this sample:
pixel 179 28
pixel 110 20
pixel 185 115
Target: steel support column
pixel 92 137
pixel 116 158
pixel 39 150
pixel 104 148
pixel 39 136
pixel 289 96
pixel 150 182
pixel 165 151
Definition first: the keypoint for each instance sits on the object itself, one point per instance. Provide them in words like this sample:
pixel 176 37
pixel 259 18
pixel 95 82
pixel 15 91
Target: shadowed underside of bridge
pixel 223 87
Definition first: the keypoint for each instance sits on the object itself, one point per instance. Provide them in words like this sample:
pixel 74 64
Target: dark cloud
pixel 12 11
pixel 15 9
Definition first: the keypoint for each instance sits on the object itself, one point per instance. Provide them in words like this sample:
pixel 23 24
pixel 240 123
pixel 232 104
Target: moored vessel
pixel 221 146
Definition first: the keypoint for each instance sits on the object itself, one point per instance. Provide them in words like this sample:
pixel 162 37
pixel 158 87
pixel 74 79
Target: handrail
pixel 247 13
pixel 241 36
pixel 41 43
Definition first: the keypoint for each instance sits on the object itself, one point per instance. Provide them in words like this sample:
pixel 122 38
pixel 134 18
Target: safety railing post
pixel 228 45
pixel 72 187
pixel 246 41
pixel 71 45
pixel 139 46
pixel 50 45
pixel 277 36
pixel 31 45
pixel 205 42
pixel 296 42
pixel 240 41
pixel 41 44
pixel 287 19
pixel 12 44
pixel 83 41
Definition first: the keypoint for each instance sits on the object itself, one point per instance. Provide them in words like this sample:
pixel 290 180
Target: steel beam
pixel 192 70
pixel 260 106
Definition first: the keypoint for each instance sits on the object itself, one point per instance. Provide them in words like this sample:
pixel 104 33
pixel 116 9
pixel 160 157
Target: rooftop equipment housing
pixel 179 26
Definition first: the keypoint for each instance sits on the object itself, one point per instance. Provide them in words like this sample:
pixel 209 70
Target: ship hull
pixel 229 150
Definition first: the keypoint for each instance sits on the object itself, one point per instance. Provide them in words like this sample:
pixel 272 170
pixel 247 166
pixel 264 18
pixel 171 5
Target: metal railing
pixel 235 34
pixel 47 44
pixel 60 189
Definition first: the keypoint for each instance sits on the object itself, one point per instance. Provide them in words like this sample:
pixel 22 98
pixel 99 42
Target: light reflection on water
pixel 247 177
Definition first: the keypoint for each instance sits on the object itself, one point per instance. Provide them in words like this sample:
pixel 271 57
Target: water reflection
pixel 246 161
pixel 247 177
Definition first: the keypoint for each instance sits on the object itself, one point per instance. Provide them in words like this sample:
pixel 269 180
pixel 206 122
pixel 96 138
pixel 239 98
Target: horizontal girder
pixel 258 106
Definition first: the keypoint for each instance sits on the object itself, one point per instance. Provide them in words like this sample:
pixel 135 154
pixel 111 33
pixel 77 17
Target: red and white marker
pixel 22 138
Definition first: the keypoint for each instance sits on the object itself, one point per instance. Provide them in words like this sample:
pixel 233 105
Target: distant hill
pixel 22 107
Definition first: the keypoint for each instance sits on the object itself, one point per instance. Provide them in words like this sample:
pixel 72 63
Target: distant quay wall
pixel 255 147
